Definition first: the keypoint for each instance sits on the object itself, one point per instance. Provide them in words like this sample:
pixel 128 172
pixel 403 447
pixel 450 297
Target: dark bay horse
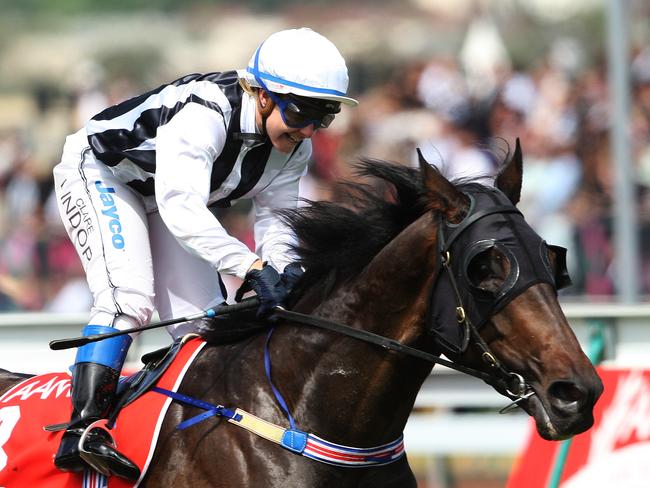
pixel 374 262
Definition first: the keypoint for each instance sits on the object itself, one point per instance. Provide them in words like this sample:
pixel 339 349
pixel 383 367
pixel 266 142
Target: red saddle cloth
pixel 27 451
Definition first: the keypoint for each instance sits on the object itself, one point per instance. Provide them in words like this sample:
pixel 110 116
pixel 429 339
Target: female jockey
pixel 134 188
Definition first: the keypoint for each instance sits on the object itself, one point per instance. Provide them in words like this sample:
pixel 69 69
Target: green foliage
pixel 39 8
pixel 54 7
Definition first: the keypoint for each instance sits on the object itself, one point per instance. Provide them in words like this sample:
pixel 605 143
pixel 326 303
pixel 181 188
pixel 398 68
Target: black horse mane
pixel 341 237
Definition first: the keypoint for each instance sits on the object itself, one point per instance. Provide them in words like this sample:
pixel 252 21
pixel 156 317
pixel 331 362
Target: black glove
pixel 292 273
pixel 267 286
pixel 271 288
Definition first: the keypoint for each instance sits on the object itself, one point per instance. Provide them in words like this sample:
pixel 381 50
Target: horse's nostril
pixel 567 396
pixel 567 391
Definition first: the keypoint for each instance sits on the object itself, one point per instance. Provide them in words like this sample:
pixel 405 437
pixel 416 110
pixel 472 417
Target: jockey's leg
pixel 184 284
pixel 106 221
pixel 94 381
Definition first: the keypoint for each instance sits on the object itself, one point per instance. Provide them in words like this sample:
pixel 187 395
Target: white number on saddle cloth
pixel 9 417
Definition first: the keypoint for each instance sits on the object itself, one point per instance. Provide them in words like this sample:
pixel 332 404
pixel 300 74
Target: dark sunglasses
pixel 297 116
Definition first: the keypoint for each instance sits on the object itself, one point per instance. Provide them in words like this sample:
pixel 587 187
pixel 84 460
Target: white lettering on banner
pixel 9 417
pixel 627 417
pixel 620 444
pixel 58 387
pixel 53 386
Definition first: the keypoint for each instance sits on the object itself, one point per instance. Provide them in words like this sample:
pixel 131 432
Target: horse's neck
pixel 391 293
pixel 358 392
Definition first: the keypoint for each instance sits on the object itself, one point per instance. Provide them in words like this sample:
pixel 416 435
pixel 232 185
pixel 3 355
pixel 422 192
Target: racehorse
pixel 435 266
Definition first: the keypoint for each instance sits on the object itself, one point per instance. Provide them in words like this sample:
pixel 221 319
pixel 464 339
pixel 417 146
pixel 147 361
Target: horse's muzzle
pixel 566 407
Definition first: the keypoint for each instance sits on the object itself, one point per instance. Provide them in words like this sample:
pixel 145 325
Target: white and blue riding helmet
pixel 301 62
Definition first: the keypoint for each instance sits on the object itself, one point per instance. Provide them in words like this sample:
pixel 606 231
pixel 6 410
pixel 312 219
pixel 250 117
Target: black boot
pixel 97 448
pixel 93 390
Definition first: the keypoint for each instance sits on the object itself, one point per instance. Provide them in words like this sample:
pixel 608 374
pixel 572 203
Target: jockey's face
pixel 288 124
pixel 283 137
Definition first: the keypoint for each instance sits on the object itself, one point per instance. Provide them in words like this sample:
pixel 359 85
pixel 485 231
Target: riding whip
pixel 247 304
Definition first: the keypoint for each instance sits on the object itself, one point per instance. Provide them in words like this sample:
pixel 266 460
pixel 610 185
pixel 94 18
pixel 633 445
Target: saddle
pixel 130 388
pixel 39 400
pixel 155 364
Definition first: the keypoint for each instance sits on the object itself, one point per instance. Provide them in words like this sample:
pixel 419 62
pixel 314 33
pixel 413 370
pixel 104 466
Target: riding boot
pixel 93 388
pixel 94 382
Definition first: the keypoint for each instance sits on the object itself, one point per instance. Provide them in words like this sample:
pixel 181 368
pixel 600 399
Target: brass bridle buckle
pixel 460 315
pixel 489 359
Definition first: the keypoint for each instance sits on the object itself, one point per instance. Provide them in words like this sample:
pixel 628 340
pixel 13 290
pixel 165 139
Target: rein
pixel 512 383
pixel 379 340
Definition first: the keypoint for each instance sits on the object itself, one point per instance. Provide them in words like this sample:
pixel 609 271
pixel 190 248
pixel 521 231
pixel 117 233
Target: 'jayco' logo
pixel 111 211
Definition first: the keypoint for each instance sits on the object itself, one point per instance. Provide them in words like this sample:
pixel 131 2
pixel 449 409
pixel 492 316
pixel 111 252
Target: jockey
pixel 134 190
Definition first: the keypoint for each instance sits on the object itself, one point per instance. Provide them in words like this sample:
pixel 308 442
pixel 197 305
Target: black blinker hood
pixel 492 221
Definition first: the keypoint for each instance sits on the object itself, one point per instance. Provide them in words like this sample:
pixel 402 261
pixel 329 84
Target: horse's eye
pixel 482 272
pixel 488 270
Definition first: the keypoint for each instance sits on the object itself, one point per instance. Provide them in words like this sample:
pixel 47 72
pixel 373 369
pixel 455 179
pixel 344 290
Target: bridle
pixel 513 384
pixel 497 375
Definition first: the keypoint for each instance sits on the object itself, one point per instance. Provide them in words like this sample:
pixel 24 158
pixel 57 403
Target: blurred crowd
pixel 464 122
pixel 467 123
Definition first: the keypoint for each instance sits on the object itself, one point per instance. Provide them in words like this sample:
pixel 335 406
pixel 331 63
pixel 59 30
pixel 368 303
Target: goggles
pixel 296 116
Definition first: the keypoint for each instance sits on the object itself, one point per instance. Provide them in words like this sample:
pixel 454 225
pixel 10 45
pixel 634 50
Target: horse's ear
pixel 509 178
pixel 444 195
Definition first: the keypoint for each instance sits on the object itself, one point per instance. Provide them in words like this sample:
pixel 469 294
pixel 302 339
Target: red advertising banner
pixel 615 452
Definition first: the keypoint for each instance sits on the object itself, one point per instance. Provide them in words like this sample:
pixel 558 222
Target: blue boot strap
pixel 109 352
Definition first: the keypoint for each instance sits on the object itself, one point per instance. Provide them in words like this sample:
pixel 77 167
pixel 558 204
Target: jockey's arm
pixel 186 149
pixel 272 237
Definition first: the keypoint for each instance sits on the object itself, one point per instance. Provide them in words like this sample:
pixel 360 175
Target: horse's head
pixel 494 303
pixel 456 262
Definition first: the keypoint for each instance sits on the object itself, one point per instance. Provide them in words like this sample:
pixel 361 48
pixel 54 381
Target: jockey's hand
pixel 268 286
pixel 292 273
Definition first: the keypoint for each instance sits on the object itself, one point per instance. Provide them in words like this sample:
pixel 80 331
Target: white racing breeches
pixel 132 262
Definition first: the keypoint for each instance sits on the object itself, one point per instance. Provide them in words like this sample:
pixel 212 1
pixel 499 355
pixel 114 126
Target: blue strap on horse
pixel 293 439
pixel 276 392
pixel 210 409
